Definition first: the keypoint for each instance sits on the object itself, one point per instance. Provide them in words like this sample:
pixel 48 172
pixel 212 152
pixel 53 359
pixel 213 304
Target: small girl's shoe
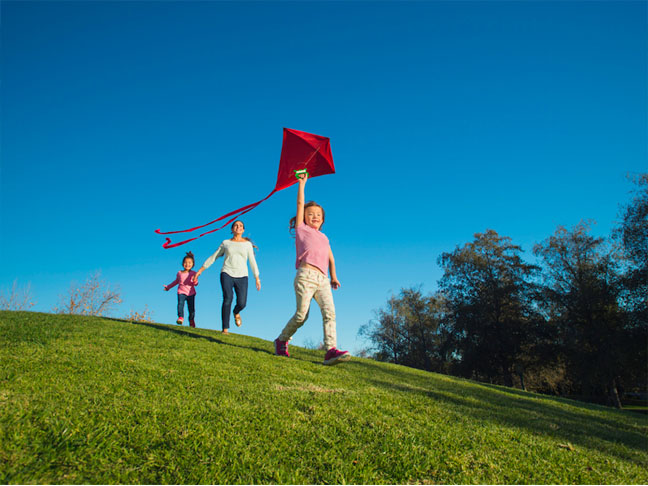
pixel 237 319
pixel 179 321
pixel 335 356
pixel 192 323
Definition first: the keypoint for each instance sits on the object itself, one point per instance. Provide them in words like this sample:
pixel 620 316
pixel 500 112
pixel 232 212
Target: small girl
pixel 314 260
pixel 186 289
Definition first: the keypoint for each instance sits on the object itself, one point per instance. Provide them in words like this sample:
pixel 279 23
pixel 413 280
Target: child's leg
pixel 227 283
pixel 181 302
pixel 324 298
pixel 305 286
pixel 191 304
pixel 241 289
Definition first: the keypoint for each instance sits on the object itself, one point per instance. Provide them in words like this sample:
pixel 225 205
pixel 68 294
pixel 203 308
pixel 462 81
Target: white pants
pixel 312 284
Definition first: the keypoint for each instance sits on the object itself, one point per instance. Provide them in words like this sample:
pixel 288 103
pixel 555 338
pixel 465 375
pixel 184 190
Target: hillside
pixel 91 400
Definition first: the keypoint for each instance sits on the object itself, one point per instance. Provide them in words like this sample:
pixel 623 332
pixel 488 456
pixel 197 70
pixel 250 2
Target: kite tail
pixel 235 214
pixel 253 205
pixel 167 243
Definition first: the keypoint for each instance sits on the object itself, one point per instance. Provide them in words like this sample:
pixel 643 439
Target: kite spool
pixel 300 172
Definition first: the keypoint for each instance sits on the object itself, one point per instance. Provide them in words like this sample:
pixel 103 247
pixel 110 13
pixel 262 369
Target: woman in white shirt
pixel 237 251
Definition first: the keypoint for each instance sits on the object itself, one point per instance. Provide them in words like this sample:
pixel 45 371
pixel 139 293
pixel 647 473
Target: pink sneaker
pixel 179 321
pixel 281 348
pixel 335 356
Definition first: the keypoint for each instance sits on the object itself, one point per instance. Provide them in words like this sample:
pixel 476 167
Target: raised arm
pixel 300 199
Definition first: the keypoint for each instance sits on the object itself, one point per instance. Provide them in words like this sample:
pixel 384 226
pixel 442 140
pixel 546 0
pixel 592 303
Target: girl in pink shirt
pixel 186 289
pixel 314 261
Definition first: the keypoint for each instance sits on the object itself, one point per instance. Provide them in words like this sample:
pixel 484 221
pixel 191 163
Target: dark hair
pixel 244 237
pixel 189 255
pixel 309 204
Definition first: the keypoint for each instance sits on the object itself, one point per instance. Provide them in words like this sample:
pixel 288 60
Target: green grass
pixel 91 400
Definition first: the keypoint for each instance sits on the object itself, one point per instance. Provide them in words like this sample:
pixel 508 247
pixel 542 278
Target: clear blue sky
pixel 445 119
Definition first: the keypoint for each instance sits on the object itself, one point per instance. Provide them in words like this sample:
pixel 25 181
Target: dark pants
pixel 231 285
pixel 191 304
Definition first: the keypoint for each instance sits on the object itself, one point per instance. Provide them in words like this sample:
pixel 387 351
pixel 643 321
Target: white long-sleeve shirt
pixel 237 254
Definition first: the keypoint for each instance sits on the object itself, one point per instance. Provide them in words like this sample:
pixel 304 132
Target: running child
pixel 186 289
pixel 314 261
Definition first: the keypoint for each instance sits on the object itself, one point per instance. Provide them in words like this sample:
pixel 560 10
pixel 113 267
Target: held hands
pixel 166 289
pixel 258 284
pixel 335 283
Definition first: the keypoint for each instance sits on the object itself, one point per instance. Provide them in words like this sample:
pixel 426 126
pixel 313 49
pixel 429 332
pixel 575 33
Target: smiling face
pixel 314 217
pixel 238 228
pixel 188 263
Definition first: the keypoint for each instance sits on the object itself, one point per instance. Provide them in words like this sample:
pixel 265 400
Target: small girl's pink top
pixel 185 285
pixel 313 247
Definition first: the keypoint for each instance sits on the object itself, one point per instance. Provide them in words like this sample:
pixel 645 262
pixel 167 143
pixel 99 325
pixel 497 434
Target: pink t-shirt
pixel 185 285
pixel 312 247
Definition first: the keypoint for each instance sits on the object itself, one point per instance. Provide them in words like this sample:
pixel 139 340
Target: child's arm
pixel 172 284
pixel 300 199
pixel 335 283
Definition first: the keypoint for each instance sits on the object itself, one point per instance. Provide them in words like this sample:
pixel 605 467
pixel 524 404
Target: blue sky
pixel 445 119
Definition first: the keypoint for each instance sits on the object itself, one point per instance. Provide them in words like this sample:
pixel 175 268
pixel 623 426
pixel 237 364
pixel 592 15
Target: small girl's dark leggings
pixel 191 305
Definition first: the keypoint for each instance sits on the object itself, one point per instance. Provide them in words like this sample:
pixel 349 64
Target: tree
pixel 407 331
pixel 17 299
pixel 581 296
pixel 491 320
pixel 93 298
pixel 632 234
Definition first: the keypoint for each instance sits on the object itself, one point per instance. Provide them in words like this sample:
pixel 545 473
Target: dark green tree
pixel 581 296
pixel 407 331
pixel 491 320
pixel 632 234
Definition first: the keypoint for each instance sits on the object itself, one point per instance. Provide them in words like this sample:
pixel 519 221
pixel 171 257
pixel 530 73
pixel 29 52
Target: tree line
pixel 572 323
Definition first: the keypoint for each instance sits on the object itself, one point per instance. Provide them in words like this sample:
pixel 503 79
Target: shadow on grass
pixel 191 334
pixel 566 420
pixel 182 332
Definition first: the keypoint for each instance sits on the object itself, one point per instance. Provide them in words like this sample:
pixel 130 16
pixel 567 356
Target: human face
pixel 313 217
pixel 188 263
pixel 238 228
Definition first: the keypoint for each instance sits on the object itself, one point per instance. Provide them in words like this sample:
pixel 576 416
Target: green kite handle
pixel 300 172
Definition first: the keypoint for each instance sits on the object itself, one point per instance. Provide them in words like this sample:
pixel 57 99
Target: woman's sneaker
pixel 179 321
pixel 281 348
pixel 335 356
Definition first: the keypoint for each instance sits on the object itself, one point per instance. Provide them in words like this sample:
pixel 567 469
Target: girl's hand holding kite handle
pixel 300 199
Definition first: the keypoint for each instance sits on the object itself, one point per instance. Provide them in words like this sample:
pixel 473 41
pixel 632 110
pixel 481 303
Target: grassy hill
pixel 91 400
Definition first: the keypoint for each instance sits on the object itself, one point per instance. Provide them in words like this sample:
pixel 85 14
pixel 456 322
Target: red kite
pixel 301 151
